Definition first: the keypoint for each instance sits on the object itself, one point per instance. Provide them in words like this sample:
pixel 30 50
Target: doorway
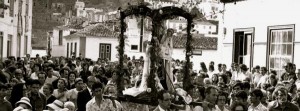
pixel 243 46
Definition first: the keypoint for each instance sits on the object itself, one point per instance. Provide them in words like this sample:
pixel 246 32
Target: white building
pixel 97 41
pixel 210 9
pixel 258 32
pixel 15 28
pixel 200 27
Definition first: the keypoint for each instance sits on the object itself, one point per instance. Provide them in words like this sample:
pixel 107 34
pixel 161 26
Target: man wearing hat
pixel 55 106
pixel 23 104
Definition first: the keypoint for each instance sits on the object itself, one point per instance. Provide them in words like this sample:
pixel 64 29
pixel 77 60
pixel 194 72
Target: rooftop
pixel 99 30
pixel 199 42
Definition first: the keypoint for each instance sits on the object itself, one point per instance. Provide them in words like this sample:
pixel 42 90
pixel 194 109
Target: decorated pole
pixel 120 71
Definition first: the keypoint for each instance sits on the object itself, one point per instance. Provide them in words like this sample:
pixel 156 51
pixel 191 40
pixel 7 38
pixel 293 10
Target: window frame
pixel 137 48
pixel 60 37
pixel 105 50
pixel 279 27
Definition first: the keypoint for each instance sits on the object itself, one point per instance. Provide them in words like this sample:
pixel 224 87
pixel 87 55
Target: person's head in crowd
pixel 24 103
pixel 97 89
pixel 244 68
pixel 110 90
pixel 18 91
pixel 212 63
pixel 207 81
pixel 233 66
pixel 256 96
pixel 41 77
pixel 72 66
pixel 228 75
pixel 79 85
pixel 14 81
pixel 70 106
pixel 238 86
pixel 222 79
pixel 224 68
pixel 288 67
pixel 19 74
pixel 178 75
pixel 199 79
pixel 265 86
pixel 8 63
pixel 281 95
pixel 85 66
pixel 246 86
pixel 19 64
pixel 215 79
pixel 55 106
pixel 238 107
pixel 12 58
pixel 50 71
pixel 203 67
pixel 269 92
pixel 91 81
pixel 71 76
pixel 164 99
pixel 222 99
pixel 211 68
pixel 48 89
pixel 211 94
pixel 100 71
pixel 11 69
pixel 219 67
pixel 35 86
pixel 64 72
pixel 61 84
pixel 256 69
pixel 3 90
pixel 272 80
pixel 241 97
pixel 37 67
pixel 223 87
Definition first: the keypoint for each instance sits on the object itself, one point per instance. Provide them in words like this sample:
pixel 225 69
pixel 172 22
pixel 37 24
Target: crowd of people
pixel 79 84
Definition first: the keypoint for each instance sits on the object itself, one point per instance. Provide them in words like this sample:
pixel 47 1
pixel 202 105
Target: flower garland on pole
pixel 170 12
pixel 140 10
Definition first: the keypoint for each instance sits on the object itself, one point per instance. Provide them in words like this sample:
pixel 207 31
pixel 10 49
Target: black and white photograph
pixel 149 55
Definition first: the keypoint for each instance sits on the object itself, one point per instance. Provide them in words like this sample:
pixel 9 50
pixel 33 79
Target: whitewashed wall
pixel 92 47
pixel 260 14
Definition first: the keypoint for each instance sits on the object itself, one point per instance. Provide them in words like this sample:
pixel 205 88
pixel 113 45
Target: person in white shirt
pixel 264 78
pixel 37 68
pixel 50 76
pixel 244 74
pixel 256 96
pixel 256 75
pixel 73 93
